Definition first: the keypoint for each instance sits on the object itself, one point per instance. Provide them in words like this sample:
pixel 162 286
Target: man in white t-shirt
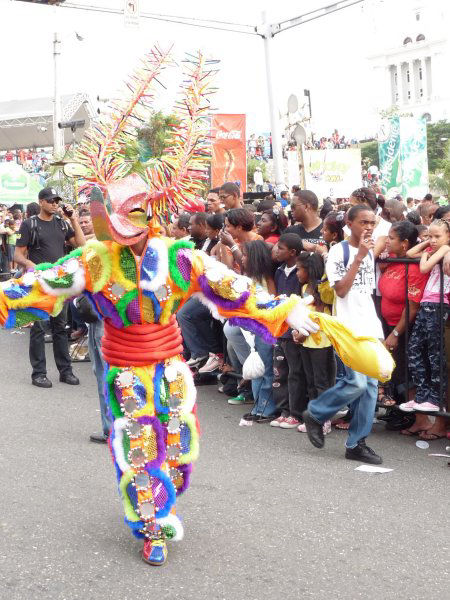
pixel 350 271
pixel 258 179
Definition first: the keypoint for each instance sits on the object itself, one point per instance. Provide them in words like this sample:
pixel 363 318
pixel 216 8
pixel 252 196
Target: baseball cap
pixel 48 194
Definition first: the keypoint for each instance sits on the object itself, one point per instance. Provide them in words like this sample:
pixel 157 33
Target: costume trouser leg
pixel 154 441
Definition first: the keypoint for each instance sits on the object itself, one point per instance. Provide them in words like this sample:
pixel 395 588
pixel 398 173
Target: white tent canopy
pixel 28 123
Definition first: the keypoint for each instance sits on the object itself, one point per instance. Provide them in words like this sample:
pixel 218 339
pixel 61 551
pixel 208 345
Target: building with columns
pixel 410 56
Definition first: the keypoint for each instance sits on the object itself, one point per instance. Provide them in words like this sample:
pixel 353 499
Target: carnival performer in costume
pixel 137 279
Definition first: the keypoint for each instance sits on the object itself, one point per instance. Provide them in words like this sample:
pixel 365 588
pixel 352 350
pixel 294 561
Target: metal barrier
pixel 443 410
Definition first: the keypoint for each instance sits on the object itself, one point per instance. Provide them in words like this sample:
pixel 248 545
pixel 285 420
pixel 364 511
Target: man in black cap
pixel 42 238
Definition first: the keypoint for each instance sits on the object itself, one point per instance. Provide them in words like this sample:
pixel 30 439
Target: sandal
pixel 410 433
pixel 384 400
pixel 431 436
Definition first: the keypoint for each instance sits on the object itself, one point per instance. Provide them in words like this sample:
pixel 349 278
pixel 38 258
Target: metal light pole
pixel 265 30
pixel 58 134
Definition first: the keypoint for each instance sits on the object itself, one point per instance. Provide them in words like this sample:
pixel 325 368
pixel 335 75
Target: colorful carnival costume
pixel 150 391
pixel 137 279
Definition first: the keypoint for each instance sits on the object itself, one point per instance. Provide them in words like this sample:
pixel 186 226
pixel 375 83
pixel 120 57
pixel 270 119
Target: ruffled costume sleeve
pixel 234 297
pixel 41 292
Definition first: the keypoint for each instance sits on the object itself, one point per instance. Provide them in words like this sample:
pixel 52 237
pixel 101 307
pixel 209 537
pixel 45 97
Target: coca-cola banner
pixel 229 158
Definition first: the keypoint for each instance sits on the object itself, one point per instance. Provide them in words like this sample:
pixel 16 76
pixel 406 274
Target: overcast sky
pixel 327 55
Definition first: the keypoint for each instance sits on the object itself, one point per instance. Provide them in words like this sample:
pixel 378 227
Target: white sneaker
pixel 193 362
pixel 212 364
pixel 408 406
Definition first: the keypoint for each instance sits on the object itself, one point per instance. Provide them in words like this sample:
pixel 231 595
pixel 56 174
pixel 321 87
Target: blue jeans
pixel 356 390
pixel 95 335
pixel 194 320
pixel 262 387
pixel 237 347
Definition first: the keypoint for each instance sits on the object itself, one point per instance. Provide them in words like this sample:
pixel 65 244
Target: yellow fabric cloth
pixel 366 355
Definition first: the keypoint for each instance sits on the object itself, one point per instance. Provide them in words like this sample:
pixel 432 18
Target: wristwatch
pixel 395 332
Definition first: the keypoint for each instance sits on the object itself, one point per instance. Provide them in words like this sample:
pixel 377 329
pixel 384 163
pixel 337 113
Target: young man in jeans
pixel 350 271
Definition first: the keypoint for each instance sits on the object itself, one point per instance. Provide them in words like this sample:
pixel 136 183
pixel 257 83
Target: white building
pixel 410 56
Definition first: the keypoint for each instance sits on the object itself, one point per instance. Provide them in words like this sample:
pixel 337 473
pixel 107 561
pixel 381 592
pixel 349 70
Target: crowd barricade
pixel 443 405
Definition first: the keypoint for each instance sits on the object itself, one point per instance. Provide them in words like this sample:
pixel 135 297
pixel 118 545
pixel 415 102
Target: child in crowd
pixel 332 233
pixel 316 351
pixel 350 271
pixel 289 380
pixel 425 344
pixel 423 233
pixel 257 264
pixel 11 238
pixel 271 225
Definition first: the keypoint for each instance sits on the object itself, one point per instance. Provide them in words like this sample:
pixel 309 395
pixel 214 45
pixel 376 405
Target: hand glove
pixel 298 318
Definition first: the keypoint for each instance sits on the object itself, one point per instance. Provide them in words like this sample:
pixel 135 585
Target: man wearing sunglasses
pixel 42 238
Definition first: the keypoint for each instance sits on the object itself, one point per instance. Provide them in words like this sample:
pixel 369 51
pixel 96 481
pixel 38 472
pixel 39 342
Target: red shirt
pixel 272 239
pixel 392 288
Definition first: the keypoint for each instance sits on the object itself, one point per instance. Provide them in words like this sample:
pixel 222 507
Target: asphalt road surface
pixel 267 515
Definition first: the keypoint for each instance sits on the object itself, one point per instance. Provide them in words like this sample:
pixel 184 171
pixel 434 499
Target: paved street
pixel 267 515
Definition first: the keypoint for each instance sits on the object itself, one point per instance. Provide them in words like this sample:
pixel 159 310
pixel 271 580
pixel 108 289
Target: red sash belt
pixel 141 345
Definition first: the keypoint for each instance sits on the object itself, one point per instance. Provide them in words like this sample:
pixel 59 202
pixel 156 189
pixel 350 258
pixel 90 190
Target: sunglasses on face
pixel 53 201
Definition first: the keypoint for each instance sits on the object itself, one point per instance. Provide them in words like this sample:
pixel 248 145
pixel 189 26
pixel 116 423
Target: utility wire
pixel 154 17
pixel 205 20
pixel 331 8
pixel 276 27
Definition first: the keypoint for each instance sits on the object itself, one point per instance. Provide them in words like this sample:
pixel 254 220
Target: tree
pixel 252 164
pixel 440 179
pixel 438 135
pixel 369 153
pixel 153 136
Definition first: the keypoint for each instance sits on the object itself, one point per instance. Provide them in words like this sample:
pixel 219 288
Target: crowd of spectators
pixel 284 245
pixel 284 250
pixel 259 147
pixel 336 141
pixel 32 160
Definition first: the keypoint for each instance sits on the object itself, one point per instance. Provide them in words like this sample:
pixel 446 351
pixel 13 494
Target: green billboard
pixel 16 185
pixel 402 149
pixel 389 155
